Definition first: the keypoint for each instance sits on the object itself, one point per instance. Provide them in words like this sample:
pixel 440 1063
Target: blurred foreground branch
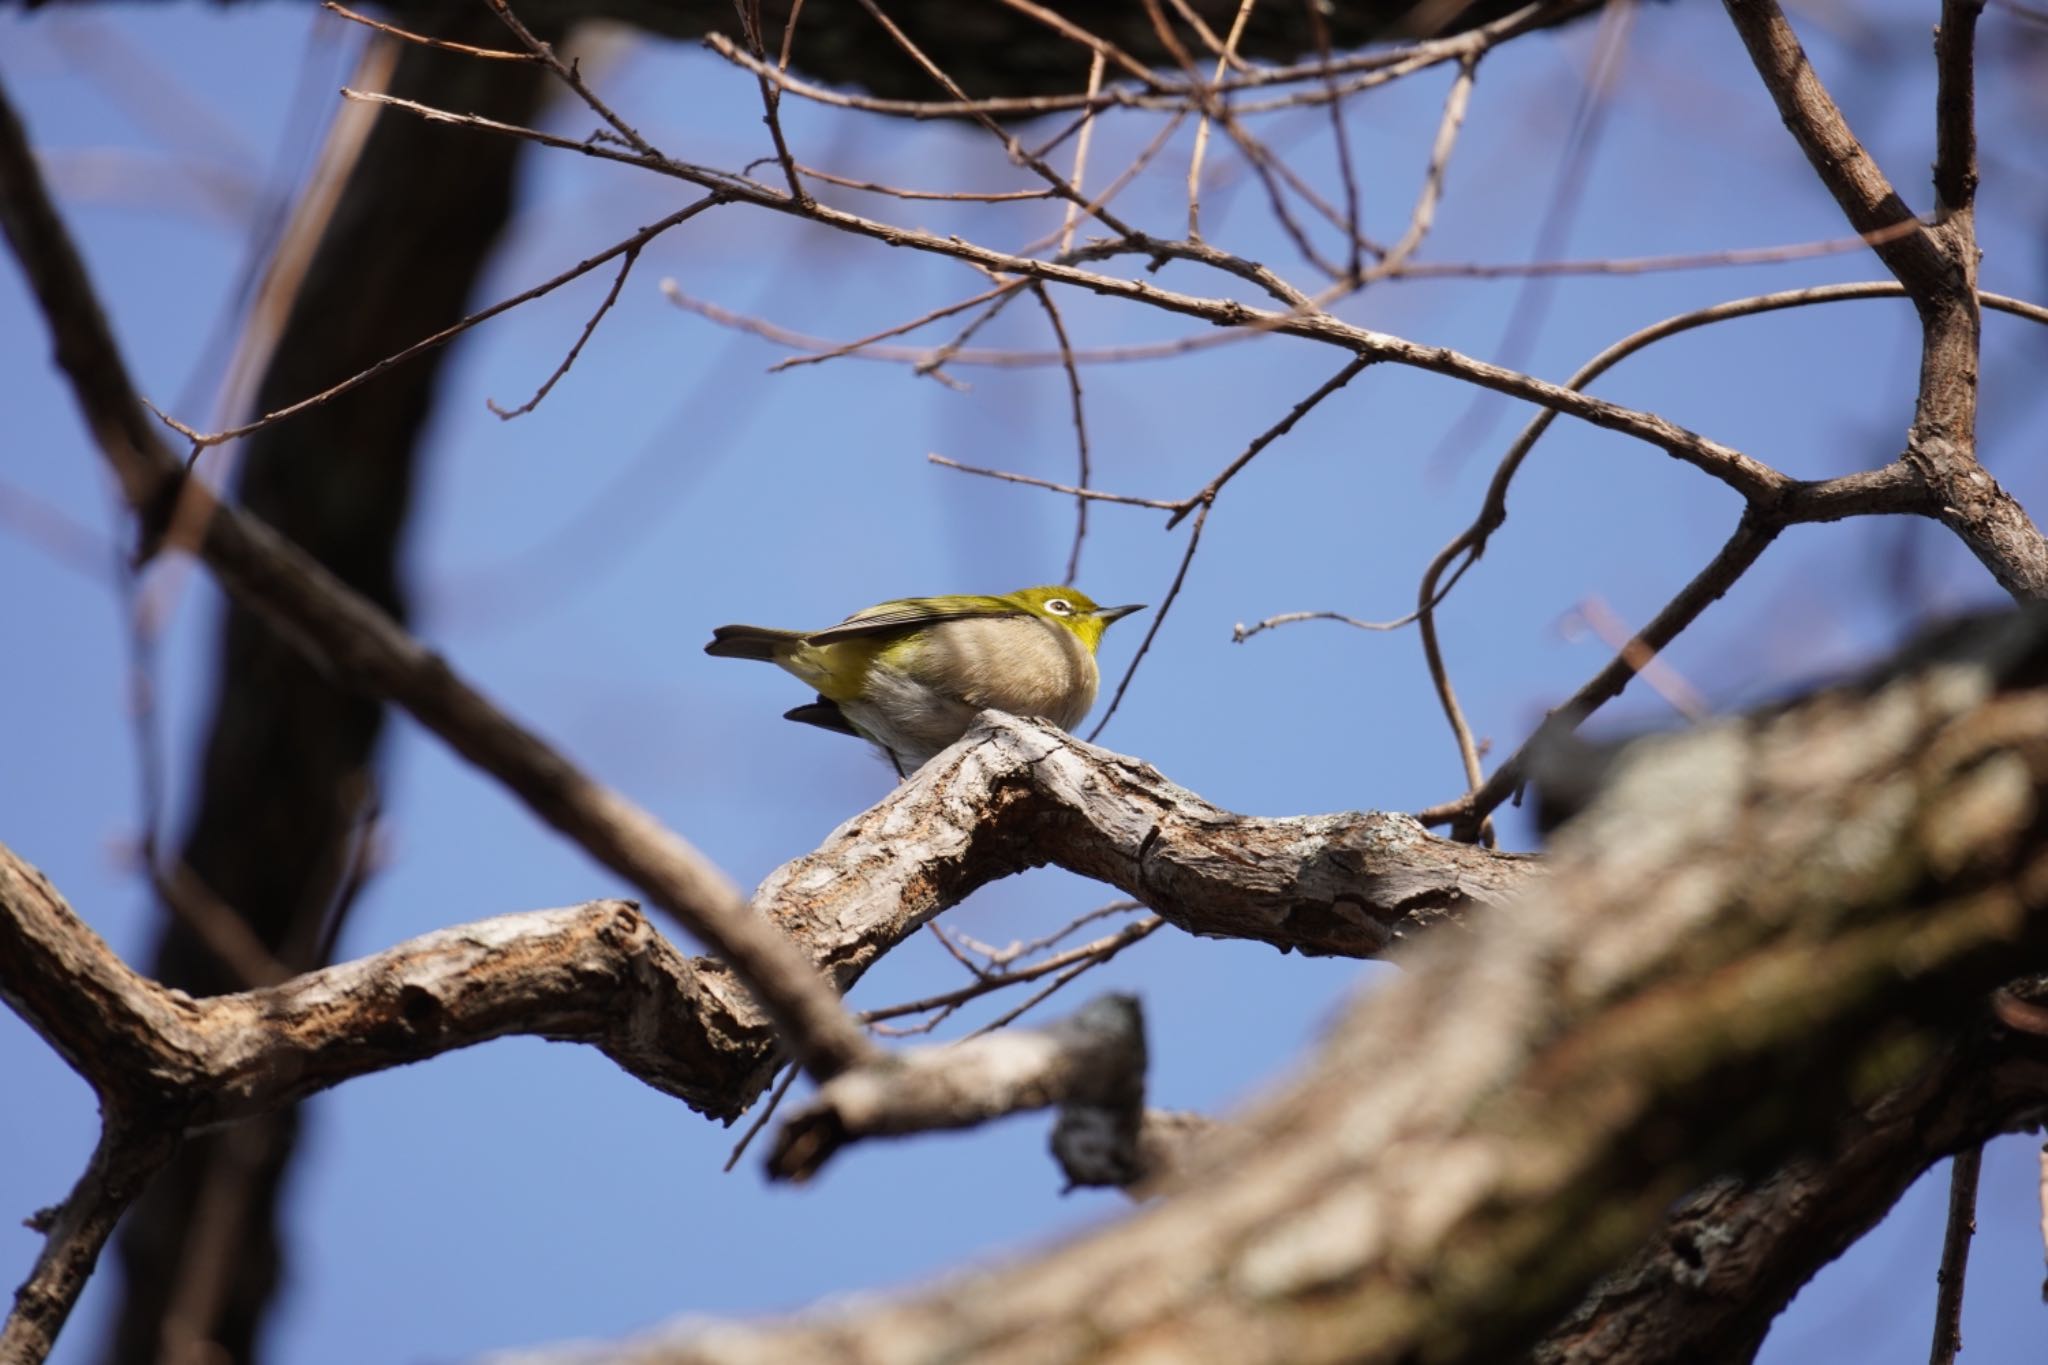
pixel 1759 926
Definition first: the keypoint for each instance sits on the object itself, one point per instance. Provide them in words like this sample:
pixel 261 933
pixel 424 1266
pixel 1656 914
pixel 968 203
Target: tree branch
pixel 1011 795
pixel 1847 171
pixel 1936 263
pixel 1090 1064
pixel 364 648
pixel 1708 1284
pixel 75 1232
pixel 1833 888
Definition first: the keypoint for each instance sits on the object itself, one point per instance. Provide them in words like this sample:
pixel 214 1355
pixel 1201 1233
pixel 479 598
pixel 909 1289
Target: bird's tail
pixel 751 642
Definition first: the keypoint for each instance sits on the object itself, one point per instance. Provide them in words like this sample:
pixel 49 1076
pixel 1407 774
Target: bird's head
pixel 1072 610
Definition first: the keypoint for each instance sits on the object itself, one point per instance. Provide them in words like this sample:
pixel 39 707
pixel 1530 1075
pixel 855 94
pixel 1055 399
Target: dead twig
pixel 611 297
pixel 1964 1169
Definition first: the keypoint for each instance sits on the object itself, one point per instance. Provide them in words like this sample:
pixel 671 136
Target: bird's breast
pixel 1022 665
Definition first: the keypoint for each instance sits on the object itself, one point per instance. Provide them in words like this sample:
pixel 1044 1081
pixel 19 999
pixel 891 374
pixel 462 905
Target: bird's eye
pixel 1059 606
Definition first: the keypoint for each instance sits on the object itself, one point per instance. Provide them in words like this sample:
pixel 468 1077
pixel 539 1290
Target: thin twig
pixel 1751 538
pixel 1640 265
pixel 611 297
pixel 1158 620
pixel 567 73
pixel 1193 19
pixel 766 1112
pixel 1101 47
pixel 771 93
pixel 1531 303
pixel 1423 216
pixel 1746 475
pixel 55 532
pixel 1244 12
pixel 1207 494
pixel 1145 157
pixel 1241 632
pixel 947 196
pixel 988 982
pixel 954 951
pixel 220 927
pixel 1071 219
pixel 1052 988
pixel 1660 677
pixel 1465 548
pixel 1091 494
pixel 932 362
pixel 2043 1196
pixel 1354 224
pixel 1964 1169
pixel 865 343
pixel 1268 169
pixel 1003 957
pixel 202 440
pixel 1081 480
pixel 1016 149
pixel 1379 67
pixel 495 54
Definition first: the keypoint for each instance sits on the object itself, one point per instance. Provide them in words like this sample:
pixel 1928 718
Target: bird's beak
pixel 1109 614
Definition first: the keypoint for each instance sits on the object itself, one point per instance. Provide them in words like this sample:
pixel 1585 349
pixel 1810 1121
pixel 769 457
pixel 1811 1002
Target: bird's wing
pixel 910 614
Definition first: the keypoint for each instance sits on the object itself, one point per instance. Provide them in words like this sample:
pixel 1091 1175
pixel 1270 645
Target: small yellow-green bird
pixel 910 675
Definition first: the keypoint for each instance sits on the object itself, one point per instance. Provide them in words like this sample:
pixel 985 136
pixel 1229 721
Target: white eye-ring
pixel 1059 606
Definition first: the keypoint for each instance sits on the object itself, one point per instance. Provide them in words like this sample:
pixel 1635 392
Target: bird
pixel 910 675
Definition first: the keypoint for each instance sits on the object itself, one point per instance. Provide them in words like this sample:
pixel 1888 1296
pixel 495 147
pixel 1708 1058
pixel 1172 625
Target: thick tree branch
pixel 1727 1260
pixel 1090 1064
pixel 1011 795
pixel 384 246
pixel 1955 109
pixel 1756 923
pixel 595 973
pixel 1829 887
pixel 362 647
pixel 1937 264
pixel 1848 172
pixel 1015 794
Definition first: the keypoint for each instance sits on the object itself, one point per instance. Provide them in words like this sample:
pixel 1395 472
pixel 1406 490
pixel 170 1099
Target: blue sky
pixel 573 562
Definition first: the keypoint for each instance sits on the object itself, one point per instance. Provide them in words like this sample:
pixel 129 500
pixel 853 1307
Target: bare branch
pixel 1752 537
pixel 1085 473
pixel 1180 576
pixel 1060 184
pixel 1091 1065
pixel 1207 494
pixel 1894 489
pixel 491 54
pixel 567 73
pixel 611 297
pixel 361 646
pixel 1955 1255
pixel 771 93
pixel 1726 1023
pixel 1709 1282
pixel 1101 950
pixel 1938 266
pixel 629 248
pixel 1867 198
pixel 73 1235
pixel 1091 494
